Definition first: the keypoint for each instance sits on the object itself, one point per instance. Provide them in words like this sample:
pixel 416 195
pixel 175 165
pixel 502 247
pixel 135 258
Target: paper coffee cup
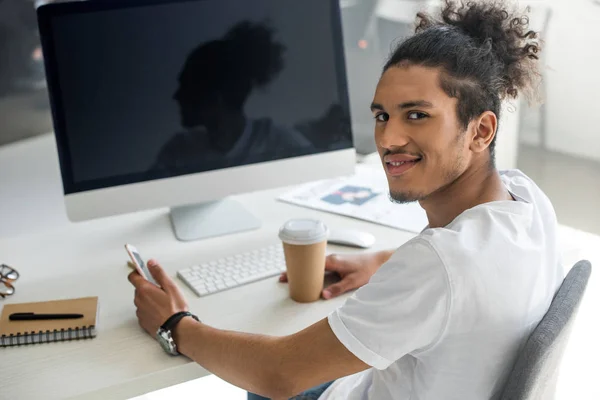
pixel 304 245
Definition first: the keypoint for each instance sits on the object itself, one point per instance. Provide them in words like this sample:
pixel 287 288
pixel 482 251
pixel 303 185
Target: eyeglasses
pixel 7 276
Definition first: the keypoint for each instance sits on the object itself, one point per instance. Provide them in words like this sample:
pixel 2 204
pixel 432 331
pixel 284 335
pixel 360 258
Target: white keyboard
pixel 233 271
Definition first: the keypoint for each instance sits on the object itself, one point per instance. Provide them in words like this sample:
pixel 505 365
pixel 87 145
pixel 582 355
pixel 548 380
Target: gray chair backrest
pixel 534 374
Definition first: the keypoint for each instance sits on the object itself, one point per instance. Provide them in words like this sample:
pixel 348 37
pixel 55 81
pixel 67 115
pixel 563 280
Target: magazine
pixel 364 195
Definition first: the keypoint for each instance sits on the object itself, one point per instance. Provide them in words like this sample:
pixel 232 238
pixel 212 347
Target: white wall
pixel 572 77
pixel 508 136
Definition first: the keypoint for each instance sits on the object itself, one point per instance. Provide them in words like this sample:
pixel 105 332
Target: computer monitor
pixel 182 103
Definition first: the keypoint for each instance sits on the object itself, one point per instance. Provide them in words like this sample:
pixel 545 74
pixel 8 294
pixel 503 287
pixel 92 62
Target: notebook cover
pixel 88 306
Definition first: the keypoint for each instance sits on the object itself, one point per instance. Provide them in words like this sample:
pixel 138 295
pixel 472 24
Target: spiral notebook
pixel 16 333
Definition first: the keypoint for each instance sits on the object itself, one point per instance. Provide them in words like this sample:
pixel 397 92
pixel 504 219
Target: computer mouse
pixel 352 238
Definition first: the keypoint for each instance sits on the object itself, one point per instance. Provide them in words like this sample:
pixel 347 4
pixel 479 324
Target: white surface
pixel 176 191
pixel 208 387
pixel 353 238
pixel 58 259
pixel 235 270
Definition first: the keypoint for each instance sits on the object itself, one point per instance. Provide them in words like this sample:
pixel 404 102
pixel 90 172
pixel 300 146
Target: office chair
pixel 535 371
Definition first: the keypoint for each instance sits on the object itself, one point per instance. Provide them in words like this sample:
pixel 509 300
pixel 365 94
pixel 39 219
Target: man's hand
pixel 156 304
pixel 355 271
pixel 275 367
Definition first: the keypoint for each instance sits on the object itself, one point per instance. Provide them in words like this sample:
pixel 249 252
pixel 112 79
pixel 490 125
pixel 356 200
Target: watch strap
pixel 175 318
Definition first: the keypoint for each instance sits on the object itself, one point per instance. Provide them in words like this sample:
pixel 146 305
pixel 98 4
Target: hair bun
pixel 498 29
pixel 254 45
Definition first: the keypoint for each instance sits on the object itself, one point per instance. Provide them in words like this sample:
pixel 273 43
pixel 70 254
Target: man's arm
pixel 276 367
pixel 355 270
pixel 280 367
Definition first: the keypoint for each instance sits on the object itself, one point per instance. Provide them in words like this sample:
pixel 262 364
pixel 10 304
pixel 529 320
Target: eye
pixel 382 117
pixel 416 115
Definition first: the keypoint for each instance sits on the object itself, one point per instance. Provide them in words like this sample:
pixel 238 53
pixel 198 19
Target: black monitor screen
pixel 150 89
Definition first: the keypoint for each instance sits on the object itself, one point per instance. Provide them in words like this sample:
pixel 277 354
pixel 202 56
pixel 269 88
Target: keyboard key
pixel 265 274
pixel 233 271
pixel 248 279
pixel 202 292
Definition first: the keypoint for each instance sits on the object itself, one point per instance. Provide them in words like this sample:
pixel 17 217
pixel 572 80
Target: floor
pixel 571 183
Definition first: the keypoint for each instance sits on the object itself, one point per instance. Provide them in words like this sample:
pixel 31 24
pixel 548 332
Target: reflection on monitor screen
pixel 185 87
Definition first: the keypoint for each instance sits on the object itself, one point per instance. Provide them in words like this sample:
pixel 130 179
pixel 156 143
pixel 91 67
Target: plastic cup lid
pixel 303 231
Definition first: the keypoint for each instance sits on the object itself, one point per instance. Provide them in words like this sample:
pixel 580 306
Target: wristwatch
pixel 164 335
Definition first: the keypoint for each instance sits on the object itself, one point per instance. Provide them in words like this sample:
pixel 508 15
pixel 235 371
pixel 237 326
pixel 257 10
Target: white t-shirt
pixel 263 137
pixel 259 139
pixel 446 316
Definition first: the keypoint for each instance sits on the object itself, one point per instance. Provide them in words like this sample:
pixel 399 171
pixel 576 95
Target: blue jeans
pixel 310 394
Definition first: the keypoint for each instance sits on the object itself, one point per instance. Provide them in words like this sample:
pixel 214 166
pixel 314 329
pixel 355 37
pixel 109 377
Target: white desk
pixel 62 260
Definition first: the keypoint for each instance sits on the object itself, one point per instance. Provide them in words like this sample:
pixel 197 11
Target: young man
pixel 443 316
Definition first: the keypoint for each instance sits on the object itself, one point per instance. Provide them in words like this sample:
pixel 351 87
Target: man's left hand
pixel 156 304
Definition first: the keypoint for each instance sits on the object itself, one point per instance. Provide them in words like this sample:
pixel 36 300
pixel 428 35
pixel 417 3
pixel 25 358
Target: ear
pixel 484 131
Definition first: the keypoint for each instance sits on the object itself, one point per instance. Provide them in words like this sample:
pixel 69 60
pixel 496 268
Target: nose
pixel 391 135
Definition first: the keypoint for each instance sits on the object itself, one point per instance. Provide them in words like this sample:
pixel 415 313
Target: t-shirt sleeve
pixel 403 309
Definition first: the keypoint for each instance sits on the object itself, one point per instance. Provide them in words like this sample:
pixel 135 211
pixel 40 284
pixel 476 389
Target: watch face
pixel 166 342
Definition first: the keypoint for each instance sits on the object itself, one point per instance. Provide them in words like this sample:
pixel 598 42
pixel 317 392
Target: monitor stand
pixel 217 218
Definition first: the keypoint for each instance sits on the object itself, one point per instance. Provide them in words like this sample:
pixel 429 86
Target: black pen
pixel 29 316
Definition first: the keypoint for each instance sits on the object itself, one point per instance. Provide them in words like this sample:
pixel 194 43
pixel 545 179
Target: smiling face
pixel 418 135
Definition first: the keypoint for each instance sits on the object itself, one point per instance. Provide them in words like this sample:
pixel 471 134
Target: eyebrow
pixel 405 105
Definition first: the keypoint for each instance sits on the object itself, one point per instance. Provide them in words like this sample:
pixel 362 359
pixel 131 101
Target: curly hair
pixel 486 51
pixel 247 57
pixel 255 44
